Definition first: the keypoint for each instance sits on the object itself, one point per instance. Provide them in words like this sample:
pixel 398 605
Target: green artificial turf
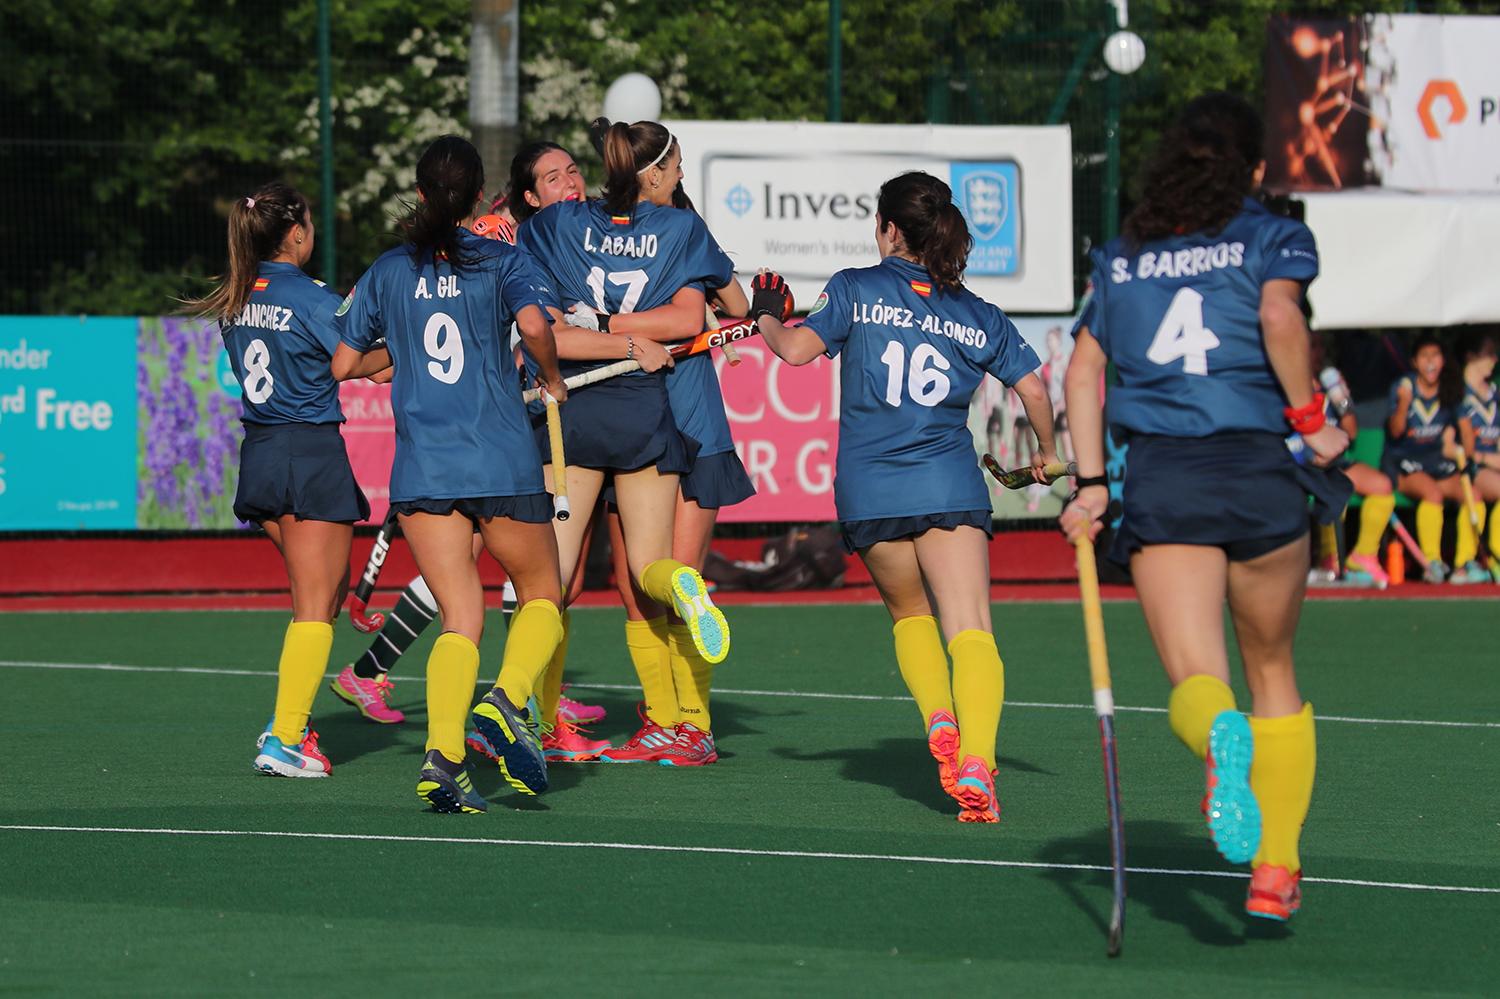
pixel 122 912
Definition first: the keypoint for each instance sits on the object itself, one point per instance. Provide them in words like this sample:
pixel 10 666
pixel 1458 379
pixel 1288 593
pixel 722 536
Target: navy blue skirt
pixel 532 508
pixel 620 425
pixel 300 469
pixel 861 534
pixel 1433 463
pixel 717 480
pixel 1242 492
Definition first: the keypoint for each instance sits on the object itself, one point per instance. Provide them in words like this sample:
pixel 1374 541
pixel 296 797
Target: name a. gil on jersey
pixel 1188 262
pixel 266 317
pixel 447 287
pixel 880 314
pixel 644 245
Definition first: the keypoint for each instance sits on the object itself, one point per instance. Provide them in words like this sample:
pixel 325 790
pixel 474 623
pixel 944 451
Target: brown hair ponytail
pixel 922 208
pixel 450 176
pixel 630 150
pixel 258 224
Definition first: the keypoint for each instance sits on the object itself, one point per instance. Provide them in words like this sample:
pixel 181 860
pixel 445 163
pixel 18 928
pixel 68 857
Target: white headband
pixel 660 156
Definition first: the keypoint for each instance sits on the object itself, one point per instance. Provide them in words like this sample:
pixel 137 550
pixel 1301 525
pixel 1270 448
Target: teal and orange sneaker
pixel 976 792
pixel 1468 574
pixel 1233 813
pixel 709 628
pixel 446 787
pixel 1365 570
pixel 1275 893
pixel 942 743
pixel 304 759
pixel 514 739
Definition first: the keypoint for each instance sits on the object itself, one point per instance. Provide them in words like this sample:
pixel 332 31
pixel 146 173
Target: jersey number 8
pixel 445 346
pixel 258 381
pixel 925 381
pixel 1183 335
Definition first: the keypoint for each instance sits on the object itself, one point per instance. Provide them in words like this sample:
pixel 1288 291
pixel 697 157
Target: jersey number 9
pixel 925 382
pixel 445 347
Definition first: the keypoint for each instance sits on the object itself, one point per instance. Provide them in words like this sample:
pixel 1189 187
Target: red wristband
pixel 1307 419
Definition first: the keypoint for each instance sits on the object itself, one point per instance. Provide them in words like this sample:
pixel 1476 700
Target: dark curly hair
pixel 1451 378
pixel 1201 171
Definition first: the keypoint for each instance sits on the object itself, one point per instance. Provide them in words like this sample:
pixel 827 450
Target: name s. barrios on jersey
pixel 266 317
pixel 1179 263
pixel 620 246
pixel 880 314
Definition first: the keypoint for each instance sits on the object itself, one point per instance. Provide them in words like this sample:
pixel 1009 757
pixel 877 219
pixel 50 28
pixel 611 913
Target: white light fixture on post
pixel 633 97
pixel 1124 52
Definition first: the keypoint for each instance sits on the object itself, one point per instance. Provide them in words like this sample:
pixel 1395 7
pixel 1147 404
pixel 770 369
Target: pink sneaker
pixel 942 743
pixel 368 696
pixel 578 713
pixel 976 792
pixel 693 747
pixel 568 743
pixel 1370 566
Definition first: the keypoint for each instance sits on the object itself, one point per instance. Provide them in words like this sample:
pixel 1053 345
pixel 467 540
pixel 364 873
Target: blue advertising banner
pixel 989 195
pixel 67 423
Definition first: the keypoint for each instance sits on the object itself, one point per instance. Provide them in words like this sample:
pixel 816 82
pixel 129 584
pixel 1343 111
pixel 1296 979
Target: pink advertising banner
pixel 370 436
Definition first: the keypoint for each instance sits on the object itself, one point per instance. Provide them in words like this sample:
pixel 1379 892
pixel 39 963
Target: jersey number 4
pixel 1182 335
pixel 924 382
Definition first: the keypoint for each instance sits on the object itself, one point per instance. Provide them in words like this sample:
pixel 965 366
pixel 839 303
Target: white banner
pixel 1434 82
pixel 800 198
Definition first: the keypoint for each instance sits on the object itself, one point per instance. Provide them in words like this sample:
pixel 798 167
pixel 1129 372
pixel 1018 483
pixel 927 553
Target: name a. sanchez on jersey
pixel 900 317
pixel 1179 263
pixel 266 317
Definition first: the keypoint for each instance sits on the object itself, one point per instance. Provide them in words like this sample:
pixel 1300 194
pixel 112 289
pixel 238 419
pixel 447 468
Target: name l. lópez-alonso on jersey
pixel 913 355
pixel 280 346
pixel 1180 319
pixel 461 429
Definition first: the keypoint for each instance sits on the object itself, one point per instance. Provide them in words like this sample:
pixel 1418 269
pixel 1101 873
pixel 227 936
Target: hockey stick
pixel 1104 707
pixel 1408 541
pixel 712 323
pixel 560 506
pixel 1472 507
pixel 1020 478
pixel 738 330
pixel 366 586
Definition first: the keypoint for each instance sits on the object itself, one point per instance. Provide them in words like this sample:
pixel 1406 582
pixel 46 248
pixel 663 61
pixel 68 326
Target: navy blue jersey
pixel 1426 420
pixel 461 430
pixel 698 404
pixel 913 355
pixel 1483 414
pixel 281 345
pixel 623 263
pixel 1180 319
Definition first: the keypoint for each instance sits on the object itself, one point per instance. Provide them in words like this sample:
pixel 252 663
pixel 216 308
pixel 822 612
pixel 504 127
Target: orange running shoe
pixel 1275 893
pixel 942 743
pixel 976 792
pixel 648 745
pixel 569 743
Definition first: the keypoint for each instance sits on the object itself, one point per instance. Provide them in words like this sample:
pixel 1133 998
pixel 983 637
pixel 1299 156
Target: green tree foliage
pixel 128 126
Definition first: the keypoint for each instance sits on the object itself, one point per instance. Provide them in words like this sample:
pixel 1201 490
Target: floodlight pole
pixel 835 60
pixel 1112 137
pixel 329 241
pixel 494 86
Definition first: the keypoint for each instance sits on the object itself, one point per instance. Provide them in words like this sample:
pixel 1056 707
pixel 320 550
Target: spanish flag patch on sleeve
pixel 261 284
pixel 620 219
pixel 922 288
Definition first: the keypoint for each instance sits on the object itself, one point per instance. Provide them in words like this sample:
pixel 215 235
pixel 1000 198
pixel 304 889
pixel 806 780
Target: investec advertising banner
pixel 800 198
pixel 1404 101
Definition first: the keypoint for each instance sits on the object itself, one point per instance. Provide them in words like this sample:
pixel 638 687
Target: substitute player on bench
pixel 295 480
pixel 465 458
pixel 1479 435
pixel 909 492
pixel 1421 436
pixel 1199 307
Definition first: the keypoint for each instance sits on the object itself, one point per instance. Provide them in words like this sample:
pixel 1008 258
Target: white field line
pixel 894 858
pixel 807 694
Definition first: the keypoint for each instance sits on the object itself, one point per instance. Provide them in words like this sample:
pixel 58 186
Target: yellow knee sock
pixel 1194 705
pixel 1467 548
pixel 1430 530
pixel 978 693
pixel 1328 541
pixel 452 669
pixel 656 580
pixel 552 680
pixel 535 632
pixel 1374 515
pixel 692 675
pixel 649 651
pixel 1495 532
pixel 1286 755
pixel 304 657
pixel 924 665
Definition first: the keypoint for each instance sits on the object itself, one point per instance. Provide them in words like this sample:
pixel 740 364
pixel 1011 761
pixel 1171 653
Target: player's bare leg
pixel 1265 602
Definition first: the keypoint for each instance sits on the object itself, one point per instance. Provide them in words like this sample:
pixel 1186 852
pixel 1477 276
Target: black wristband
pixel 1083 482
pixel 604 322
